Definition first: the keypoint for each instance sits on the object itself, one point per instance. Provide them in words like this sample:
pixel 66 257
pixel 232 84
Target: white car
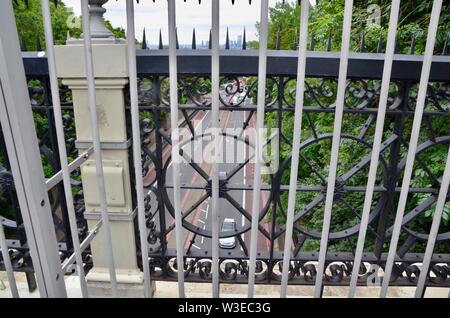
pixel 228 225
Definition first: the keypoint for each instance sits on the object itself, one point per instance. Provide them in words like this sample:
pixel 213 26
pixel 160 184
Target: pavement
pixel 204 290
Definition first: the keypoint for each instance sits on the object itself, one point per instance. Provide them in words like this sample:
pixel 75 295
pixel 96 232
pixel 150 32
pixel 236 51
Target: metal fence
pixel 373 238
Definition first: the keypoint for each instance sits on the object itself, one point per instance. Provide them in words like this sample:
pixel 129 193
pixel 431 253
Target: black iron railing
pixel 238 93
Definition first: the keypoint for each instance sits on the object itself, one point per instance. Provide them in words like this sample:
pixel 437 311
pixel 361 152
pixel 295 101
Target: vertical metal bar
pixel 175 145
pixel 420 104
pixel 434 229
pixel 23 152
pixel 215 104
pixel 96 144
pixel 156 113
pixel 264 21
pixel 135 127
pixel 394 155
pixel 62 143
pixel 342 81
pixel 12 196
pixel 55 162
pixel 7 262
pixel 299 98
pixel 390 48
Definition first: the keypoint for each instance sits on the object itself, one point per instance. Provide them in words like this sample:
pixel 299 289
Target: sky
pixel 153 16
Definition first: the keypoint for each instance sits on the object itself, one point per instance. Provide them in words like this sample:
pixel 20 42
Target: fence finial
pixel 312 44
pixel 413 45
pixel 295 46
pixel 397 48
pixel 210 38
pixel 329 42
pixel 38 42
pixel 161 46
pixel 194 41
pixel 445 49
pixel 23 43
pixel 380 43
pixel 362 47
pixel 144 41
pixel 278 44
pixel 98 28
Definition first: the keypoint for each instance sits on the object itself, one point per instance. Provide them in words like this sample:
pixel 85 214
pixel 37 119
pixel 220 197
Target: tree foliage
pixel 64 23
pixel 326 19
pixel 28 15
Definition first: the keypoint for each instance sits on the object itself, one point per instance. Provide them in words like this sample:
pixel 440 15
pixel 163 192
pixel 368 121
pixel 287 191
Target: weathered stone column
pixel 111 76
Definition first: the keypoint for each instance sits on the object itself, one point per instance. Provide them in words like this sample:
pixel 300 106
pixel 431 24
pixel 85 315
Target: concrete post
pixel 111 76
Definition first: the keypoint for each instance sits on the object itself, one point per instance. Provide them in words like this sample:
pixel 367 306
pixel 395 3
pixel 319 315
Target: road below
pixel 230 121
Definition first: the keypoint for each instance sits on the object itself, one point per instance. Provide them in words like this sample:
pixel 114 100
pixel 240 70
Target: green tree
pixel 30 24
pixel 326 19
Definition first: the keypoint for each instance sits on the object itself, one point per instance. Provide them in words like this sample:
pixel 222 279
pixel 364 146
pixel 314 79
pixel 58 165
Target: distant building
pixel 239 40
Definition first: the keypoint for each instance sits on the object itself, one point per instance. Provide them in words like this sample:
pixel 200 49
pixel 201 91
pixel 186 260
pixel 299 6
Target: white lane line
pixel 196 246
pixel 201 221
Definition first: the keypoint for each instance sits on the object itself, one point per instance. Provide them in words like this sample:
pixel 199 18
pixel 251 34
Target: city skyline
pixel 153 17
pixel 235 42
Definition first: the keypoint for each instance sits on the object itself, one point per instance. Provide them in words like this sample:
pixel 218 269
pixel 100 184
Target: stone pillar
pixel 111 76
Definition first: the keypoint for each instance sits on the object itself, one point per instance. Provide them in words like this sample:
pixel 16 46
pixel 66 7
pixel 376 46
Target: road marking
pixel 201 221
pixel 196 246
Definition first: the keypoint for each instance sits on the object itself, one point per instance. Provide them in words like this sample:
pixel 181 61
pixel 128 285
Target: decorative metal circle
pixel 341 189
pixel 428 202
pixel 195 228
